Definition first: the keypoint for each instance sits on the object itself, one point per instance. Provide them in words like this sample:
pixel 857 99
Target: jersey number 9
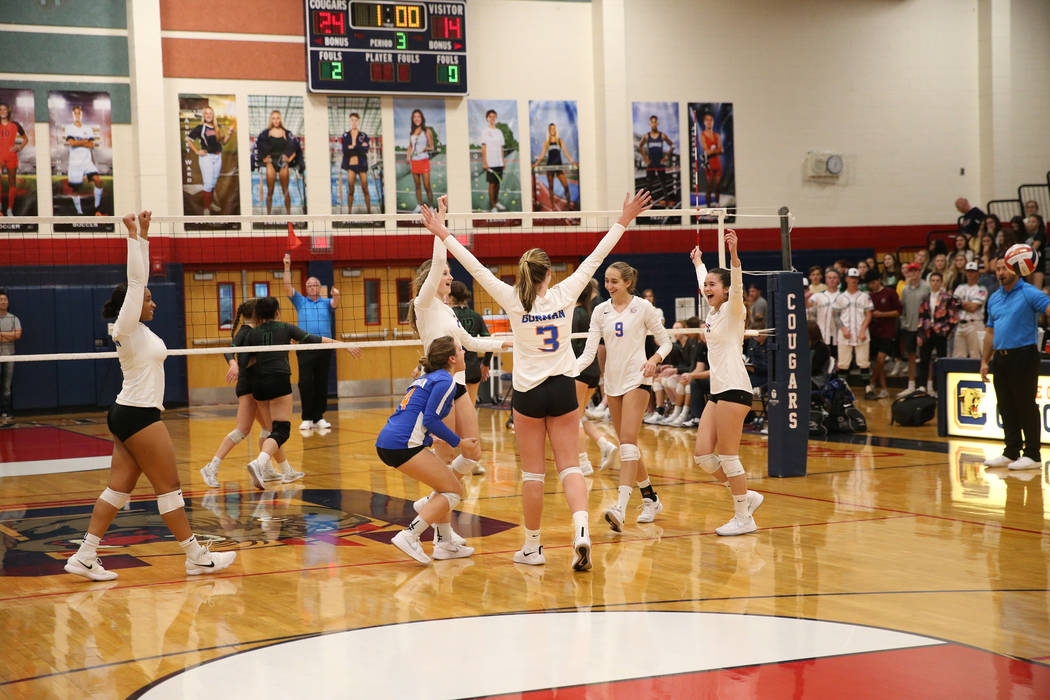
pixel 619 329
pixel 550 343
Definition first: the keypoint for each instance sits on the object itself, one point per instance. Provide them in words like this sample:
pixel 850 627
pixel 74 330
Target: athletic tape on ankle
pixel 462 465
pixel 576 470
pixel 709 463
pixel 731 465
pixel 454 499
pixel 167 502
pixel 629 452
pixel 115 498
pixel 235 436
pixel 532 476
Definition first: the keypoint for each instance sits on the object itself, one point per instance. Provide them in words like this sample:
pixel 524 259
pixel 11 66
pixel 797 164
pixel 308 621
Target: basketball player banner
pixel 81 135
pixel 18 157
pixel 657 155
pixel 789 380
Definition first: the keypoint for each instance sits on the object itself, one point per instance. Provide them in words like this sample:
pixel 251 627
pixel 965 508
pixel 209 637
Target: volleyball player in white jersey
pixel 623 321
pixel 722 421
pixel 141 443
pixel 544 400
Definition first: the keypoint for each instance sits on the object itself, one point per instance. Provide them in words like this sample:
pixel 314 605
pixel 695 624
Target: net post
pixel 785 238
pixel 789 379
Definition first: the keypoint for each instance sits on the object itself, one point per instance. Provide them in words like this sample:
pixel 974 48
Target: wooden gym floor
pixel 896 530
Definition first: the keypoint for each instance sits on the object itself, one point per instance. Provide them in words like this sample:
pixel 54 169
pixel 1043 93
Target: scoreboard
pixel 380 47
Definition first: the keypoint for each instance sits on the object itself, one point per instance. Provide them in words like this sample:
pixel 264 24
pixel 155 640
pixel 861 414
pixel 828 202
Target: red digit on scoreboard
pixel 338 22
pixel 454 28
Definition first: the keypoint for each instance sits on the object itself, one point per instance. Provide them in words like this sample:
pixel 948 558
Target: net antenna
pixel 720 214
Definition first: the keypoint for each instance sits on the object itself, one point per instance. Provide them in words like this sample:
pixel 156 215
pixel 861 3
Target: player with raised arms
pixel 544 402
pixel 623 321
pixel 141 443
pixel 410 430
pixel 722 421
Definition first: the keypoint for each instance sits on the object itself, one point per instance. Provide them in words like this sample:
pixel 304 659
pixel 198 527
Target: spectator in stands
pixel 987 253
pixel 938 316
pixel 969 334
pixel 1014 233
pixel 956 273
pixel 1035 237
pixel 922 259
pixel 824 303
pixel 819 355
pixel 970 221
pixel 962 245
pixel 939 264
pixel 912 295
pixel 992 225
pixel 10 331
pixel 890 270
pixel 1031 208
pixel 841 265
pixel 853 309
pixel 816 279
pixel 759 307
pixel 863 268
pixel 886 309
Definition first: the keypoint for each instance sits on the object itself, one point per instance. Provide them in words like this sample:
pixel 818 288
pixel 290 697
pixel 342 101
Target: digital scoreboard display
pixel 383 47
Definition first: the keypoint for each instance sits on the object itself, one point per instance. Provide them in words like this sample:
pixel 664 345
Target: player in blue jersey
pixel 652 149
pixel 403 441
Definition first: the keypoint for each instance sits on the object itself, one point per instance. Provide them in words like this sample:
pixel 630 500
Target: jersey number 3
pixel 550 342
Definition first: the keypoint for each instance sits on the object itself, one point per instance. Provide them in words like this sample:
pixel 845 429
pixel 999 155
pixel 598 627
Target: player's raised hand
pixel 130 225
pixel 696 257
pixel 287 260
pixel 435 220
pixel 634 205
pixel 145 216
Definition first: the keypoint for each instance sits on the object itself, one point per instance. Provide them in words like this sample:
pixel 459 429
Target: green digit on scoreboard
pixel 331 70
pixel 402 41
pixel 448 75
pixel 337 70
pixel 453 74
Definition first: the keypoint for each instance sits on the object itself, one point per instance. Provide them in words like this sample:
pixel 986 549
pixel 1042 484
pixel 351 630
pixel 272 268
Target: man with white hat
pixel 853 308
pixel 969 335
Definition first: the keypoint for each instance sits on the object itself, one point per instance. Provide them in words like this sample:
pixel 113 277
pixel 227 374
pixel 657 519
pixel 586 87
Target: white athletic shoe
pixel 534 558
pixel 599 413
pixel 478 469
pixel 581 549
pixel 608 453
pixel 754 500
pixel 269 473
pixel 883 394
pixel 652 418
pixel 1024 463
pixel 739 525
pixel 291 475
pixel 907 391
pixel 667 419
pixel 586 468
pixel 210 472
pixel 306 425
pixel 93 571
pixel 209 562
pixel 255 472
pixel 615 517
pixel 499 207
pixel 680 420
pixel 10 212
pixel 649 510
pixel 691 423
pixel 1000 461
pixel 418 209
pixel 447 550
pixel 409 544
pixel 322 424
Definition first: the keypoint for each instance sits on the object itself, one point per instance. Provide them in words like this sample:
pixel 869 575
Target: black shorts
pixel 396 457
pixel 591 375
pixel 643 387
pixel 244 383
pixel 358 167
pixel 883 345
pixel 908 345
pixel 271 386
pixel 744 398
pixel 460 390
pixel 473 371
pixel 125 421
pixel 555 397
pixel 494 176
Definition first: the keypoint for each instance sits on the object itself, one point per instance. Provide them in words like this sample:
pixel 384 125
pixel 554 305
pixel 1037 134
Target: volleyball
pixel 1021 258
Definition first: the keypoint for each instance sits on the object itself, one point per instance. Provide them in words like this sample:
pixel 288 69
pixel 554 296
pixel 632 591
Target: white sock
pixel 98 197
pixel 417 526
pixel 462 465
pixel 532 540
pixel 76 204
pixel 444 531
pixel 262 460
pixel 579 522
pixel 285 466
pixel 584 459
pixel 192 547
pixel 605 444
pixel 740 503
pixel 88 549
pixel 623 497
pixel 911 385
pixel 215 461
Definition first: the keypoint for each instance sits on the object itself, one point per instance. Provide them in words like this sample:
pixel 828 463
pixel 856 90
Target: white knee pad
pixel 532 476
pixel 453 499
pixel 629 452
pixel 731 465
pixel 235 436
pixel 263 434
pixel 688 388
pixel 115 498
pixel 709 463
pixel 576 470
pixel 167 502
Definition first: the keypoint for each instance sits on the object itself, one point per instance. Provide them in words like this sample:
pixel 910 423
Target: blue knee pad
pixel 282 429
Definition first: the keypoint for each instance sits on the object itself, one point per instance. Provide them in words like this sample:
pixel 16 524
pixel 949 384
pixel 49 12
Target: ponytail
pixel 417 283
pixel 532 270
pixel 438 355
pixel 116 300
pixel 246 311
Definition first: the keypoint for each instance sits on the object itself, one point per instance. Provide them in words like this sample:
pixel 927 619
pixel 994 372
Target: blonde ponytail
pixel 532 270
pixel 417 283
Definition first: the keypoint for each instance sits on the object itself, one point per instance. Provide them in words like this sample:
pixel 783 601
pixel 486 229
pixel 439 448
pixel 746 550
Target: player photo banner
pixel 495 158
pixel 18 180
pixel 81 135
pixel 421 154
pixel 208 139
pixel 657 155
pixel 355 148
pixel 555 143
pixel 712 177
pixel 278 168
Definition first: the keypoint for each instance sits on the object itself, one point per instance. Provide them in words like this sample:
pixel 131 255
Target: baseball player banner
pixel 355 149
pixel 276 125
pixel 81 135
pixel 712 177
pixel 17 157
pixel 495 156
pixel 657 154
pixel 207 136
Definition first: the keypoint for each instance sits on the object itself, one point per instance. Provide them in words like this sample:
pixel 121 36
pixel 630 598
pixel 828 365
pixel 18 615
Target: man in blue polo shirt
pixel 315 317
pixel 1011 353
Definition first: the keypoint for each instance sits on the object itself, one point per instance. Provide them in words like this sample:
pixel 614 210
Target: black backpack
pixel 914 409
pixel 842 415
